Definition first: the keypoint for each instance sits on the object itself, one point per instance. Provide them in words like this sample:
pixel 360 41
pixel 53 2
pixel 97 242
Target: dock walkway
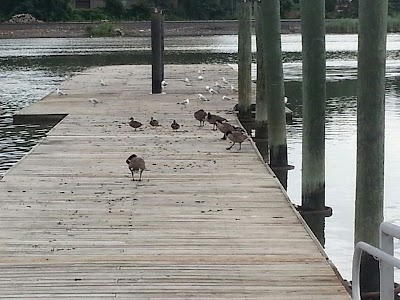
pixel 205 222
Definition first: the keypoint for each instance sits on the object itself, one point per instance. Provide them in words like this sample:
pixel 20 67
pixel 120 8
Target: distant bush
pixel 95 14
pixel 101 30
pixel 342 26
pixel 394 23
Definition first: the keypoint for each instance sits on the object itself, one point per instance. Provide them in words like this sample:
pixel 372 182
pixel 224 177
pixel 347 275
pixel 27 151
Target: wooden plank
pixel 205 222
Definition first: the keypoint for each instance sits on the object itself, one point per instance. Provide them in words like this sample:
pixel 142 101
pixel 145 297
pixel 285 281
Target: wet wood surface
pixel 204 223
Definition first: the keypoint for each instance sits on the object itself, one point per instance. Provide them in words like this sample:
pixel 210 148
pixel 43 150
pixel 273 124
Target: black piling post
pixel 157 71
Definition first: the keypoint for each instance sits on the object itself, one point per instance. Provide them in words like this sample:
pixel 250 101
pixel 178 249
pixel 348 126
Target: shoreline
pixel 129 29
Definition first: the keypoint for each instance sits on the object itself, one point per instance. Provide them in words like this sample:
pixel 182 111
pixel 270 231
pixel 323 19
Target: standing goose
pixel 175 126
pixel 200 116
pixel 212 119
pixel 224 128
pixel 154 123
pixel 136 164
pixel 134 124
pixel 236 137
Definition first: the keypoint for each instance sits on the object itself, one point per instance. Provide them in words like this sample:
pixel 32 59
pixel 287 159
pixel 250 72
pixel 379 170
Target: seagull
pixel 201 97
pixel 218 85
pixel 94 101
pixel 187 81
pixel 224 80
pixel 226 98
pixel 233 89
pixel 60 93
pixel 102 82
pixel 211 90
pixel 285 99
pixel 164 84
pixel 200 77
pixel 184 102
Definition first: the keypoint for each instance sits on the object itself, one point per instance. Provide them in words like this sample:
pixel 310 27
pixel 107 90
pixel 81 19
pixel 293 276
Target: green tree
pixel 46 10
pixel 115 8
pixel 330 6
pixel 286 6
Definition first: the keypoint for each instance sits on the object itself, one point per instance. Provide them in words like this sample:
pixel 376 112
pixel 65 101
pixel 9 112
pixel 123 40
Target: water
pixel 31 68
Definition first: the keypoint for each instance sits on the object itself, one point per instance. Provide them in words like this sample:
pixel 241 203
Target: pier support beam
pixel 271 28
pixel 157 45
pixel 244 59
pixel 314 97
pixel 372 33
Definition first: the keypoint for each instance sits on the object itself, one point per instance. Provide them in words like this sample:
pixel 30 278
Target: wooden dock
pixel 205 222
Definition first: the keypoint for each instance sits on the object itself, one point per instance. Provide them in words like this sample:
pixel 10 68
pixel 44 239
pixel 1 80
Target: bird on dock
pixel 200 116
pixel 224 127
pixel 60 93
pixel 164 84
pixel 224 80
pixel 94 101
pixel 285 100
pixel 154 122
pixel 200 77
pixel 136 164
pixel 233 89
pixel 175 126
pixel 226 98
pixel 236 137
pixel 212 119
pixel 134 124
pixel 102 82
pixel 218 85
pixel 202 97
pixel 187 81
pixel 211 90
pixel 184 102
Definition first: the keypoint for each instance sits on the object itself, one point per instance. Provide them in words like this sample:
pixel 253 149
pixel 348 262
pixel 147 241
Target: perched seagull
pixel 66 77
pixel 198 71
pixel 285 99
pixel 60 93
pixel 211 90
pixel 233 89
pixel 94 101
pixel 226 98
pixel 102 82
pixel 184 102
pixel 224 80
pixel 218 85
pixel 200 77
pixel 164 84
pixel 201 97
pixel 187 81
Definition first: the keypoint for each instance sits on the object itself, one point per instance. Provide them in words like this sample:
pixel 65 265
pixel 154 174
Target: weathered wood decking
pixel 205 223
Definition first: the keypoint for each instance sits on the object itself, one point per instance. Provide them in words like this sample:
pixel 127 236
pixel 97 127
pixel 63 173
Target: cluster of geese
pixel 233 133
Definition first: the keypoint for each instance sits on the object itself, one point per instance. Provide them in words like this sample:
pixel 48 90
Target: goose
pixel 200 116
pixel 213 118
pixel 175 126
pixel 134 124
pixel 154 122
pixel 224 127
pixel 236 137
pixel 136 164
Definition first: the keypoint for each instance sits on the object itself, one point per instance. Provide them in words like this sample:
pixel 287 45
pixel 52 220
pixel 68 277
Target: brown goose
pixel 213 118
pixel 154 123
pixel 136 164
pixel 224 128
pixel 134 124
pixel 200 116
pixel 236 137
pixel 175 126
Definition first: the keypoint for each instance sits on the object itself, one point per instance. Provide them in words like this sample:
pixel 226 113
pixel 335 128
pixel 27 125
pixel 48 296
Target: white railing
pixel 387 261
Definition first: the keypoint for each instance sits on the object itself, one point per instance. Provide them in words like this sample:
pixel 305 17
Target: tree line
pixel 61 10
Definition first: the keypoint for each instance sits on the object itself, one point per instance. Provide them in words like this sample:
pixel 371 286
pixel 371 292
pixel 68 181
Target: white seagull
pixel 164 84
pixel 200 77
pixel 218 85
pixel 102 82
pixel 211 90
pixel 94 101
pixel 285 99
pixel 60 93
pixel 226 98
pixel 187 81
pixel 224 80
pixel 184 102
pixel 233 89
pixel 201 97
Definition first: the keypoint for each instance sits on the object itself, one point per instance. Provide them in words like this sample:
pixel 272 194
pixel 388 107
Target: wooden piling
pixel 270 11
pixel 156 51
pixel 370 133
pixel 244 60
pixel 261 98
pixel 314 97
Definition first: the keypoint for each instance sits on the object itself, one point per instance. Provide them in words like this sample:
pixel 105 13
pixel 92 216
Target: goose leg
pixel 229 148
pixel 240 146
pixel 140 176
pixel 133 177
pixel 224 137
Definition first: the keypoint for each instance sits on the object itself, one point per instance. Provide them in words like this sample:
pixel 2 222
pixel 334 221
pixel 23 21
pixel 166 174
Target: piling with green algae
pixel 244 59
pixel 313 97
pixel 271 28
pixel 370 133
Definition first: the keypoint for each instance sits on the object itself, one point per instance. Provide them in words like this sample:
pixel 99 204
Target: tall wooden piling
pixel 244 59
pixel 156 51
pixel 271 28
pixel 370 133
pixel 261 98
pixel 313 95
